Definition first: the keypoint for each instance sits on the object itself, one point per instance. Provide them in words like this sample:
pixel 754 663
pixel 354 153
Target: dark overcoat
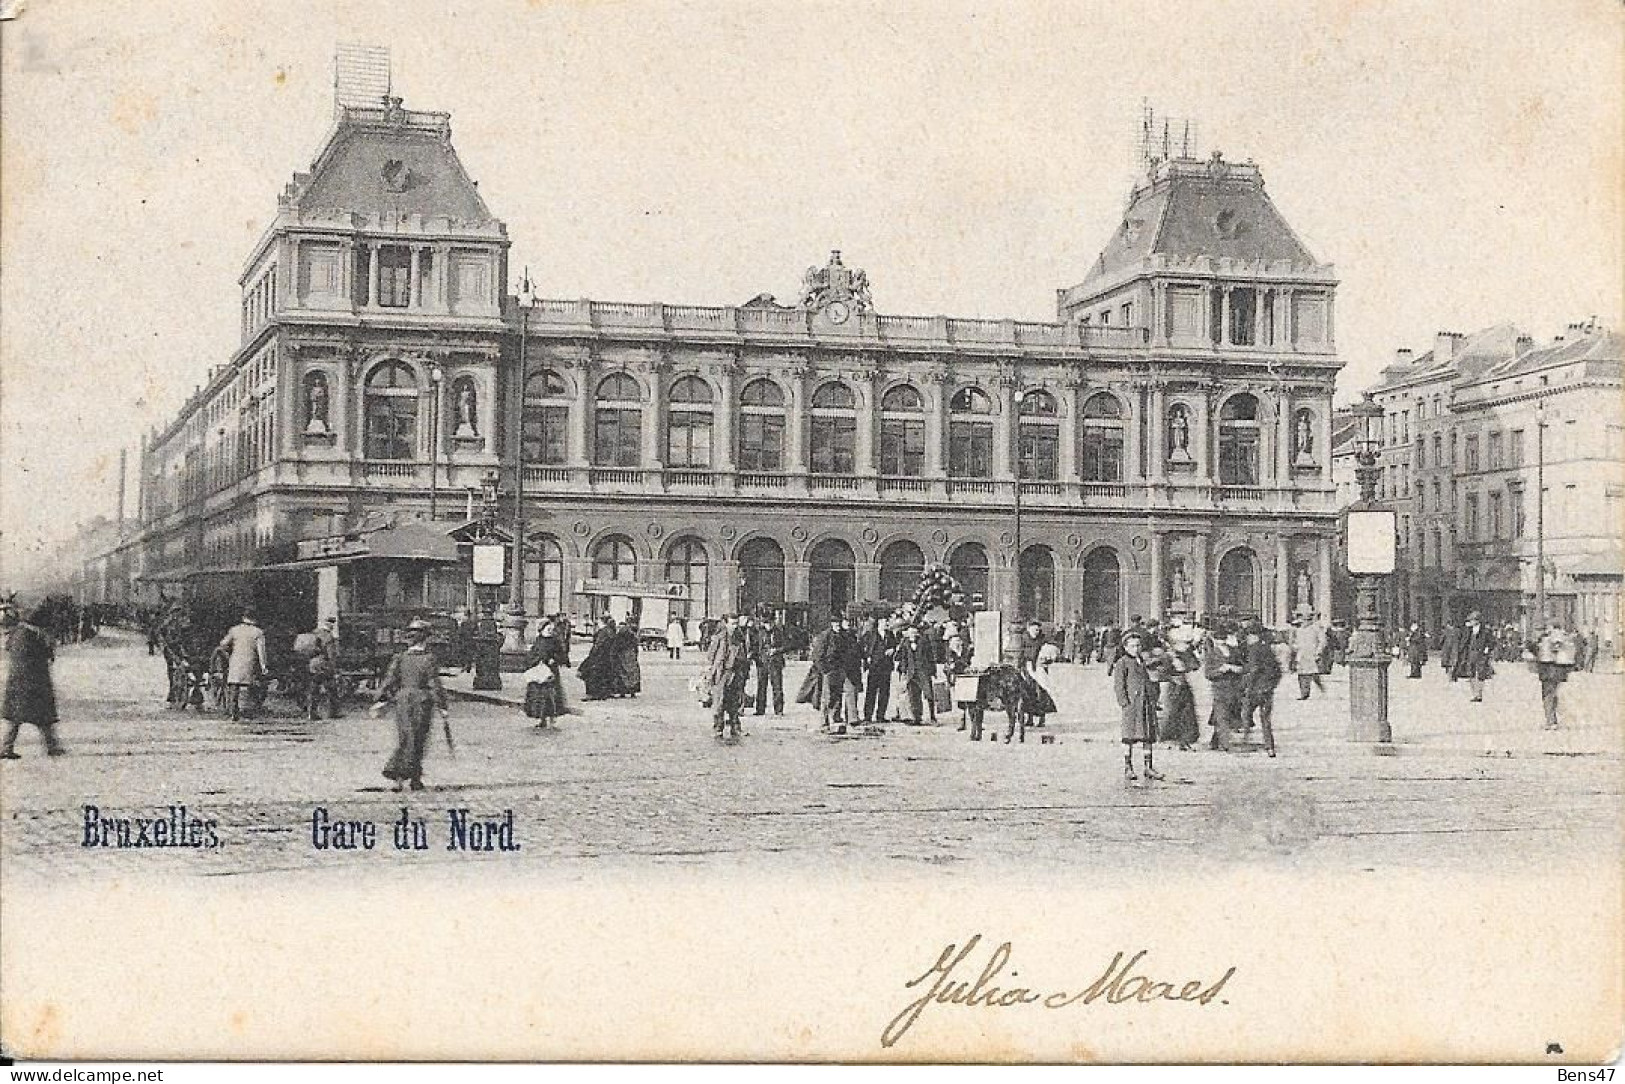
pixel 29 697
pixel 1137 696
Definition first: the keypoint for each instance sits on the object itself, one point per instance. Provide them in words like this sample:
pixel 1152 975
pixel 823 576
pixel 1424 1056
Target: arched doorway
pixel 1238 584
pixel 968 564
pixel 761 576
pixel 1102 587
pixel 687 563
pixel 901 565
pixel 1035 596
pixel 831 579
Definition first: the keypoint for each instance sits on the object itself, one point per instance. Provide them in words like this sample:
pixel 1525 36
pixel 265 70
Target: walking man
pixel 915 667
pixel 1473 657
pixel 829 664
pixel 244 648
pixel 323 668
pixel 1556 654
pixel 879 648
pixel 1309 648
pixel 29 694
pixel 1224 666
pixel 1260 676
pixel 771 644
pixel 1416 649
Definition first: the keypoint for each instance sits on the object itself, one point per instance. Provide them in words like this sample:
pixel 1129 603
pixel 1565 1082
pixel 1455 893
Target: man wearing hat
pixel 1474 654
pixel 322 664
pixel 1136 693
pixel 29 694
pixel 412 683
pixel 244 648
pixel 916 666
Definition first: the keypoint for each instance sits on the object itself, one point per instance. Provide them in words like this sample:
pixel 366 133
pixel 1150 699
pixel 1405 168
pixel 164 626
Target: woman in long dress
pixel 598 670
pixel 412 683
pixel 629 674
pixel 544 699
pixel 1180 725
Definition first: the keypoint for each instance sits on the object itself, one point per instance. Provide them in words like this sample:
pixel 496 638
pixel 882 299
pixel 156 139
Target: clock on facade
pixel 838 312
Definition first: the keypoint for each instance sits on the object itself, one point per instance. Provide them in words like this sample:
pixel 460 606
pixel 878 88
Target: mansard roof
pixel 389 162
pixel 1190 209
pixel 1597 347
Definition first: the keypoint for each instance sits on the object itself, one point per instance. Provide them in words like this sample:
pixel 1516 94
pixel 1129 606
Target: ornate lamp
pixel 1371 556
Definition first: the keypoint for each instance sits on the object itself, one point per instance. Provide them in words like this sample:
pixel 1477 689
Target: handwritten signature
pixel 1120 982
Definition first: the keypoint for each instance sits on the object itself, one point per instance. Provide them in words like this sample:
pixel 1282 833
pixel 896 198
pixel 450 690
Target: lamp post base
pixel 487 656
pixel 513 642
pixel 1368 699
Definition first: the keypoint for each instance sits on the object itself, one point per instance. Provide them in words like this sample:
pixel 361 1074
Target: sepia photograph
pixel 721 531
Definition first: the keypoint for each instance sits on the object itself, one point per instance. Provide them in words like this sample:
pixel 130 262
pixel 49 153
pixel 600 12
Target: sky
pixel 1458 164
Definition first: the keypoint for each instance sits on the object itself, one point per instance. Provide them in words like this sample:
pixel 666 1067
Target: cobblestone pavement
pixel 633 782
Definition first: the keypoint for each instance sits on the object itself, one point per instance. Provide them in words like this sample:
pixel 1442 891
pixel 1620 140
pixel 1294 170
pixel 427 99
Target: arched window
pixel 1102 587
pixel 970 434
pixel 1035 595
pixel 901 565
pixel 688 564
pixel 688 424
pixel 1238 441
pixel 392 411
pixel 546 419
pixel 1238 584
pixel 761 427
pixel 761 576
pixel 968 565
pixel 613 558
pixel 544 578
pixel 902 433
pixel 834 430
pixel 1102 439
pixel 830 579
pixel 618 422
pixel 1040 438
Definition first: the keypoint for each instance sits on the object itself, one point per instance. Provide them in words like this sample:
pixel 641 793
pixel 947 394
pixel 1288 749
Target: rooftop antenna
pixel 1157 146
pixel 361 76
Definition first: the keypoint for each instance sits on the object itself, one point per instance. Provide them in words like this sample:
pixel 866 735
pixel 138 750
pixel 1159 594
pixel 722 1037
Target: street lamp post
pixel 513 640
pixel 1540 518
pixel 436 375
pixel 1371 558
pixel 487 640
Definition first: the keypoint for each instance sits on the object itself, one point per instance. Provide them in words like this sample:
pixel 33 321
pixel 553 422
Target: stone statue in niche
pixel 465 407
pixel 1179 434
pixel 1306 590
pixel 1303 440
pixel 316 405
pixel 1179 587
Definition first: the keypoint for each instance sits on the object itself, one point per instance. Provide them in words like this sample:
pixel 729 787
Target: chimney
pixel 1444 346
pixel 1403 356
pixel 1525 344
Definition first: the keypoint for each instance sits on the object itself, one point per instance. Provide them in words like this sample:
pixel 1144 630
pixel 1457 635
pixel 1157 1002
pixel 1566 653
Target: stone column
pixel 412 277
pixel 1283 578
pixel 372 274
pixel 795 461
pixel 1158 594
pixel 936 423
pixel 868 419
pixel 1202 550
pixel 1224 316
pixel 1288 332
pixel 442 273
pixel 725 590
pixel 654 419
pixel 1071 426
pixel 1323 576
pixel 347 271
pixel 1156 444
pixel 1283 438
pixel 1258 316
pixel 1204 437
pixel 797 581
pixel 866 580
pixel 1006 426
pixel 1323 454
pixel 580 450
pixel 1131 434
pixel 723 438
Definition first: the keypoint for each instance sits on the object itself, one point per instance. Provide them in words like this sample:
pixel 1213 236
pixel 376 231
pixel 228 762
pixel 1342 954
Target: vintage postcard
pixel 808 532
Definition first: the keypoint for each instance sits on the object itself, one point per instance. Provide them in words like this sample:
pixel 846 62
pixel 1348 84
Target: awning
pixel 1595 564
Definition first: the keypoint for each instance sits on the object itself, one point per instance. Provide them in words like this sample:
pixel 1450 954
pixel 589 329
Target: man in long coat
pixel 1259 677
pixel 1449 645
pixel 1310 655
pixel 412 683
pixel 29 695
pixel 1223 667
pixel 1137 696
pixel 1474 655
pixel 1416 649
pixel 244 648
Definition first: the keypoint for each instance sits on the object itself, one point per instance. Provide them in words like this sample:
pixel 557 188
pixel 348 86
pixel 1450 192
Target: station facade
pixel 1163 445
